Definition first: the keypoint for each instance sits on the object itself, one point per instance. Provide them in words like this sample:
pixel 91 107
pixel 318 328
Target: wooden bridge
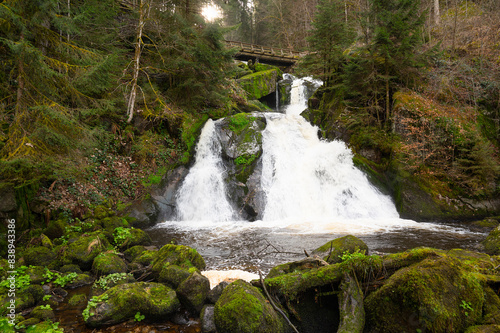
pixel 265 54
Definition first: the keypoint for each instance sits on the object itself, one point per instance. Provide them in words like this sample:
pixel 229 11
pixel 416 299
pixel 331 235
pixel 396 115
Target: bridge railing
pixel 265 50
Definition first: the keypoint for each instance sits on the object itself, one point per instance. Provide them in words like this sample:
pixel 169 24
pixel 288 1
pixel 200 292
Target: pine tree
pixel 330 36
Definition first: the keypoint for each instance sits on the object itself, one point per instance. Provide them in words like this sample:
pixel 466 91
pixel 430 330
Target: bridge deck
pixel 248 51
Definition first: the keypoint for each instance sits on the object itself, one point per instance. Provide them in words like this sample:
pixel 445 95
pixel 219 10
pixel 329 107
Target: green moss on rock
pixel 122 302
pixel 84 249
pixel 193 291
pixel 242 308
pixel 39 256
pixel 108 263
pixel 180 255
pixel 333 250
pixel 440 295
pixel 492 242
pixel 260 84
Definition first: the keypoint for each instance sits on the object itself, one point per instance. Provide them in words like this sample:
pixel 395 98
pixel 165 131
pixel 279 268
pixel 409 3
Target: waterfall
pixel 309 192
pixel 308 178
pixel 202 195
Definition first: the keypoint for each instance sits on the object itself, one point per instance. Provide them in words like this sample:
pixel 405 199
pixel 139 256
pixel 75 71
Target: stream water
pixel 313 191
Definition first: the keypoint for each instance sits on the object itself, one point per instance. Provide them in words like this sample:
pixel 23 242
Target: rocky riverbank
pixel 110 275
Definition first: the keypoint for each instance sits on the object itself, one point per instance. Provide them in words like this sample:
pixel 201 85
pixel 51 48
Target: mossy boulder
pixel 108 263
pixel 179 255
pixel 484 329
pixel 193 291
pixel 492 242
pixel 111 223
pixel 332 251
pixel 25 298
pixel 77 299
pixel 439 295
pixel 146 257
pixel 36 274
pixel 173 275
pixel 84 249
pixel 260 84
pixel 243 308
pixel 122 302
pixel 133 252
pixel 55 229
pixel 126 238
pixel 43 313
pixel 102 212
pixel 106 282
pixel 39 256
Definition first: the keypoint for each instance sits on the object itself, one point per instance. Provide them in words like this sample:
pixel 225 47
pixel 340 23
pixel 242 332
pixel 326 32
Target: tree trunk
pixel 20 79
pixel 137 61
pixel 352 311
pixel 455 26
pixel 437 17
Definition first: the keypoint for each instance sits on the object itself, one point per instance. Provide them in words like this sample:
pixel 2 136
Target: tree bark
pixel 437 17
pixel 20 79
pixel 137 61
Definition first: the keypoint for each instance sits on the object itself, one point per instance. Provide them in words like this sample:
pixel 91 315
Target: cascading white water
pixel 202 196
pixel 308 178
pixel 313 193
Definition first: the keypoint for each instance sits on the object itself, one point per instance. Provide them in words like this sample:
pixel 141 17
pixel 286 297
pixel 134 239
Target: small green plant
pixel 104 281
pixel 60 280
pixel 121 234
pixel 46 307
pixel 139 317
pixel 466 306
pixel 46 298
pixel 46 327
pixel 22 279
pixel 92 303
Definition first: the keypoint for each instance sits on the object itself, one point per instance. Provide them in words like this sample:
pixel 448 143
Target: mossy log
pixel 352 311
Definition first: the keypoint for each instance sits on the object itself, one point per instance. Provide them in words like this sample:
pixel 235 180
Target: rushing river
pixel 313 191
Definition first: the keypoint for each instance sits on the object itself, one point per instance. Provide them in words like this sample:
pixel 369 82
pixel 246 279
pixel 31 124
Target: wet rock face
pixel 241 142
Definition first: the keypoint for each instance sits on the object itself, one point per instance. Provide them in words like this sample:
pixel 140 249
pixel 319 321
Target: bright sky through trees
pixel 211 12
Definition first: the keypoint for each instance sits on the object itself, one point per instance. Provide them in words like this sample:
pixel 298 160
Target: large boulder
pixel 241 142
pixel 83 250
pixel 260 84
pixel 243 308
pixel 334 249
pixel 123 302
pixel 164 195
pixel 492 242
pixel 193 291
pixel 108 263
pixel 439 295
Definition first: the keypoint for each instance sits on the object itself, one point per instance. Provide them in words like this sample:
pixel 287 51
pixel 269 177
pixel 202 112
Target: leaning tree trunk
pixel 352 311
pixel 137 61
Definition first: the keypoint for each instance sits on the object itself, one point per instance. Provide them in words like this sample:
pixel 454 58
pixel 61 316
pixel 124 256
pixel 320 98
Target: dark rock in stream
pixel 164 195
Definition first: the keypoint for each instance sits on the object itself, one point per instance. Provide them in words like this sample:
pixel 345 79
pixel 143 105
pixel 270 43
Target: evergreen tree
pixel 391 56
pixel 330 36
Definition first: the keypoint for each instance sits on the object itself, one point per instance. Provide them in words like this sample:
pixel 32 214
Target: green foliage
pixel 58 279
pixel 5 326
pixel 92 303
pixel 46 307
pixel 45 327
pixel 121 234
pixel 139 317
pixel 104 281
pixel 239 121
pixel 466 306
pixel 22 279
